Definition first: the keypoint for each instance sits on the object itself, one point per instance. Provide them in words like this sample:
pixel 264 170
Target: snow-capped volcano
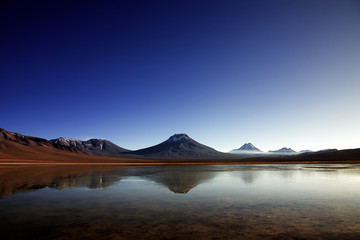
pixel 179 137
pixel 179 146
pixel 247 148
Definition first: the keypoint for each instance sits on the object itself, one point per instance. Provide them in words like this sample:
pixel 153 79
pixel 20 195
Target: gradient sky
pixel 274 73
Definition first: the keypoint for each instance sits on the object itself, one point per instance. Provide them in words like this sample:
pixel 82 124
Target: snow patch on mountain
pixel 247 148
pixel 178 137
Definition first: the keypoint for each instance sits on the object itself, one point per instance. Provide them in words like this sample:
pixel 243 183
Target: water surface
pixel 181 202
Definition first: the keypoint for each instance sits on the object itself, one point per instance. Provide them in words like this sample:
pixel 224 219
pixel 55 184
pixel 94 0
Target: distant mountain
pixel 284 150
pixel 98 147
pixel 306 151
pixel 247 148
pixel 179 146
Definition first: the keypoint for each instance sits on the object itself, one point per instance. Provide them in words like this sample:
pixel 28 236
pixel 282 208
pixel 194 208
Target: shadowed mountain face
pixel 98 147
pixel 179 146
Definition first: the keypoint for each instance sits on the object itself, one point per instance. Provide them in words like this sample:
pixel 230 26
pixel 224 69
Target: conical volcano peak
pixel 178 137
pixel 248 147
pixel 179 146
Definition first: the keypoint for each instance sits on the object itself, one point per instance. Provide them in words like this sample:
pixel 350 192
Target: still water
pixel 181 202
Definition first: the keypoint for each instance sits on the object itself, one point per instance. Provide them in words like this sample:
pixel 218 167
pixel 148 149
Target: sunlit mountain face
pixel 100 147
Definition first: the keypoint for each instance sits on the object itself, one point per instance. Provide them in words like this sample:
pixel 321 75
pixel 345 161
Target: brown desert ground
pixel 14 153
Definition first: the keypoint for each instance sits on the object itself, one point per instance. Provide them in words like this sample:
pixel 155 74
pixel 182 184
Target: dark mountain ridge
pixel 179 146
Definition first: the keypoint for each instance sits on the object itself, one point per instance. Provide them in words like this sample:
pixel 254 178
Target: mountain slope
pixel 284 150
pixel 98 147
pixel 247 148
pixel 17 146
pixel 10 138
pixel 179 146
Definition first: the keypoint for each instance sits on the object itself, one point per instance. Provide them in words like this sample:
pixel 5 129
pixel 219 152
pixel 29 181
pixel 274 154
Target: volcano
pixel 247 148
pixel 180 146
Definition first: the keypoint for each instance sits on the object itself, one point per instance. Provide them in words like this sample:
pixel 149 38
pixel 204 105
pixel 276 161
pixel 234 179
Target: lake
pixel 278 201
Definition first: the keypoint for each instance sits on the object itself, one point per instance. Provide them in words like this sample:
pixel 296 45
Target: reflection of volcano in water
pixel 247 176
pixel 178 179
pixel 181 179
pixel 31 179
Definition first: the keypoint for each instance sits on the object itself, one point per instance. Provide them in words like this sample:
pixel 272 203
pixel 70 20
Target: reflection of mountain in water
pixel 31 179
pixel 94 180
pixel 178 179
pixel 248 176
pixel 181 179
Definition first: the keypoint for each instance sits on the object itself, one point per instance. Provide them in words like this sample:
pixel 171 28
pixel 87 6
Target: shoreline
pixel 169 163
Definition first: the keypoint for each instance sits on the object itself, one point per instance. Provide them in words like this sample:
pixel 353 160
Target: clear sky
pixel 274 73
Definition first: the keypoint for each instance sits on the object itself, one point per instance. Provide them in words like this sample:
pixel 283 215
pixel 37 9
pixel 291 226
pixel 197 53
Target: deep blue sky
pixel 274 73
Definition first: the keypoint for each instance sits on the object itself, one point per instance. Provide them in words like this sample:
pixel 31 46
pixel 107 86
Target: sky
pixel 273 73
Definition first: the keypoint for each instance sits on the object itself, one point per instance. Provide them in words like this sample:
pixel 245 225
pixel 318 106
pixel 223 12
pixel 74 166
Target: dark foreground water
pixel 181 202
